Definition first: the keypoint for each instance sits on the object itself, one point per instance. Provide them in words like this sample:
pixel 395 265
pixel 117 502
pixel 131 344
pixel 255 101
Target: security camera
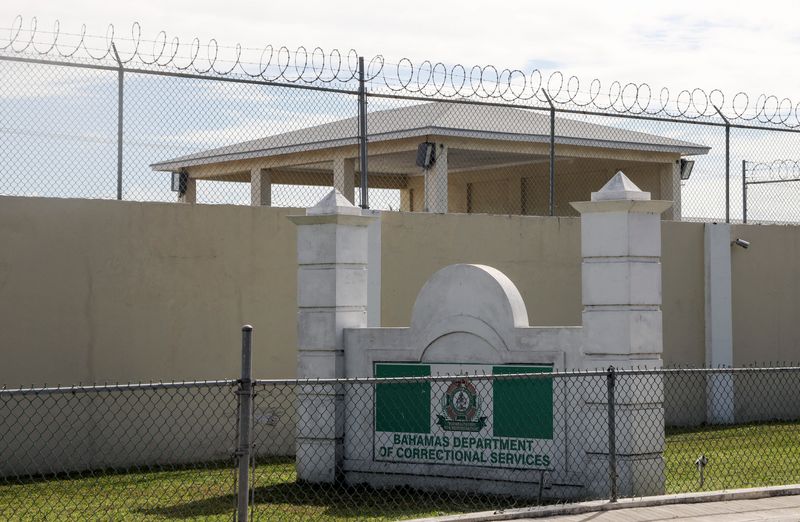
pixel 742 243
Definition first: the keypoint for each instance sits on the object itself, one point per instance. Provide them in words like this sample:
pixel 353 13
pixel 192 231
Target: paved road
pixel 772 509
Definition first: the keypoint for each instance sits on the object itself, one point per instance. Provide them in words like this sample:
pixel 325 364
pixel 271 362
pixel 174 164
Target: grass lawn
pixel 206 494
pixel 742 456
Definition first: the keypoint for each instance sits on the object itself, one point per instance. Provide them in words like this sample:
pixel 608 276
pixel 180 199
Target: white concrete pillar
pixel 190 196
pixel 332 257
pixel 260 187
pixel 344 172
pixel 719 323
pixel 621 275
pixel 436 183
pixel 621 288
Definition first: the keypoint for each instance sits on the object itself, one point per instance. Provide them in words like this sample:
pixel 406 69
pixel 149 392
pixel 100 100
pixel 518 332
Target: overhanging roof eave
pixel 684 149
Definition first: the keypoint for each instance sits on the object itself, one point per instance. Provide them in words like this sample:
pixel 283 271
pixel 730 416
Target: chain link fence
pixel 402 447
pixel 765 183
pixel 126 118
pixel 117 451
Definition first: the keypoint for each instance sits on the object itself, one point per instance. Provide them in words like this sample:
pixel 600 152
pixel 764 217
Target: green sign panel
pixel 465 420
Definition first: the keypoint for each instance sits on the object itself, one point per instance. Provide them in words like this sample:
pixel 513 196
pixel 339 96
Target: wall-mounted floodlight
pixel 179 182
pixel 686 169
pixel 426 155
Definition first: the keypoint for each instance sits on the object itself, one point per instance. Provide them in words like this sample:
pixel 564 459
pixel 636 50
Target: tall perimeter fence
pixel 122 117
pixel 225 449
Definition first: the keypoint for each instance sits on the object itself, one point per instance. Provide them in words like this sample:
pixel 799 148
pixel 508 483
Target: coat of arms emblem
pixel 461 408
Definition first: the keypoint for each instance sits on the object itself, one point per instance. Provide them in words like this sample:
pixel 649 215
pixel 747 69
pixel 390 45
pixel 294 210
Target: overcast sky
pixel 681 44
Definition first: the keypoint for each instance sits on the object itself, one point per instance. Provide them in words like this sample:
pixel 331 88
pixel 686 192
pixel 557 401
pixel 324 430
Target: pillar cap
pixel 334 208
pixel 620 194
pixel 334 203
pixel 620 187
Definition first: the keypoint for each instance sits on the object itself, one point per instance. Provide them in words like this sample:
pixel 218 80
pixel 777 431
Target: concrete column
pixel 670 177
pixel 621 288
pixel 260 187
pixel 436 184
pixel 373 268
pixel 405 200
pixel 190 196
pixel 344 175
pixel 719 323
pixel 332 252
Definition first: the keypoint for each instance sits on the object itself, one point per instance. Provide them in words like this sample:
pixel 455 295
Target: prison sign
pixel 467 420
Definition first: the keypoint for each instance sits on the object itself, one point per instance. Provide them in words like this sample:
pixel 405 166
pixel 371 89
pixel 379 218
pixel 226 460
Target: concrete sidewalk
pixel 786 508
pixel 736 505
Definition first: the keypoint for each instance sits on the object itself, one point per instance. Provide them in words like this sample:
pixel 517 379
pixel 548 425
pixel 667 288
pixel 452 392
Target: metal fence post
pixel 552 198
pixel 727 172
pixel 362 132
pixel 245 412
pixel 120 98
pixel 744 191
pixel 612 435
pixel 727 165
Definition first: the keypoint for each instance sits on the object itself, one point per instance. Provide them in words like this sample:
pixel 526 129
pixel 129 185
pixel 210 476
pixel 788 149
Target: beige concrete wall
pixel 105 290
pixel 683 293
pixel 102 290
pixel 542 257
pixel 766 294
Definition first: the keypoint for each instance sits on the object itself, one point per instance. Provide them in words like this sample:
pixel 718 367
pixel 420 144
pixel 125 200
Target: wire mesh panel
pixel 97 117
pixel 230 139
pixel 117 452
pixel 652 153
pixel 440 156
pixel 401 447
pixel 59 128
pixel 769 191
pixel 408 447
pixel 395 447
pixel 733 428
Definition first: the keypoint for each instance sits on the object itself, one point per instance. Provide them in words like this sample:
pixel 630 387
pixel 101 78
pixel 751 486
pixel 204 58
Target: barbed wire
pixel 513 85
pixel 776 170
pixel 274 63
pixel 427 79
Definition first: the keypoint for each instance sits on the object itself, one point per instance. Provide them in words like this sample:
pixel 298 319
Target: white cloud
pixel 23 81
pixel 681 44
